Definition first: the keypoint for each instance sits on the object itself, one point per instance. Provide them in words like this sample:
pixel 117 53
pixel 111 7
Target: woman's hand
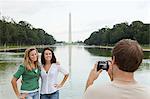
pixel 22 96
pixel 57 62
pixel 58 86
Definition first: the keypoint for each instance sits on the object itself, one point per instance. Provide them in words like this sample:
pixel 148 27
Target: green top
pixel 30 79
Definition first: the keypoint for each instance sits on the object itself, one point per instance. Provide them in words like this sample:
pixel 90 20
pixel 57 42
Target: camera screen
pixel 102 65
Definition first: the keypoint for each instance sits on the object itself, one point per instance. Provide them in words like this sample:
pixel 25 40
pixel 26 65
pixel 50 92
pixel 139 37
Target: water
pixel 81 59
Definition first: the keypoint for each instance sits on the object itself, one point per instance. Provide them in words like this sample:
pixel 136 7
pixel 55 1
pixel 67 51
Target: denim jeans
pixel 33 95
pixel 54 95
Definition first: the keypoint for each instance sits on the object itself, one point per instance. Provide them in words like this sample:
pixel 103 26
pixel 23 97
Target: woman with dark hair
pixel 49 73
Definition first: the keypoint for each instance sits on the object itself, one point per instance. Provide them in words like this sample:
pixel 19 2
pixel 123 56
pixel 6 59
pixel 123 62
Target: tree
pixel 136 30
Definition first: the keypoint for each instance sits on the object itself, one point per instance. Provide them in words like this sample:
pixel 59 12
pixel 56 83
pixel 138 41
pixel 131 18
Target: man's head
pixel 128 55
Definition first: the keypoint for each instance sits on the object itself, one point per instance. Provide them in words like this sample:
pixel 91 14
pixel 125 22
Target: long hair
pixel 53 60
pixel 27 60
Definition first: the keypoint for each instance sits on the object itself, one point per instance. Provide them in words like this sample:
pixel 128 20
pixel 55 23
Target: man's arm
pixel 92 76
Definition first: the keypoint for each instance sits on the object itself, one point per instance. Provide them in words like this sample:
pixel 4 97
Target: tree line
pixel 137 30
pixel 23 33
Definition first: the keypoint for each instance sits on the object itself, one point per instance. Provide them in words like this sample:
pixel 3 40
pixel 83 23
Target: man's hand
pixel 110 70
pixel 93 76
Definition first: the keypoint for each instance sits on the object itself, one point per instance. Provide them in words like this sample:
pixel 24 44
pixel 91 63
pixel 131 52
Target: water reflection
pixel 144 66
pixel 4 65
pixel 80 60
pixel 99 52
pixel 107 52
pixel 8 59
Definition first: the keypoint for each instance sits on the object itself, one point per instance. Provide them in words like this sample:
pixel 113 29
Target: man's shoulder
pixel 95 91
pixel 147 88
pixel 101 87
pixel 107 90
pixel 142 86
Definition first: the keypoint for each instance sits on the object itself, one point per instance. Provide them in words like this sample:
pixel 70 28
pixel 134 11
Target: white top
pixel 117 91
pixel 49 80
pixel 24 91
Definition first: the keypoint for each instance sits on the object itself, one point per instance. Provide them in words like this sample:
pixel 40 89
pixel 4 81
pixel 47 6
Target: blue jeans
pixel 33 95
pixel 54 95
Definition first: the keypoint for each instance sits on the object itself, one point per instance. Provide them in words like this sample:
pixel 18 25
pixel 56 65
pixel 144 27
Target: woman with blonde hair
pixel 30 73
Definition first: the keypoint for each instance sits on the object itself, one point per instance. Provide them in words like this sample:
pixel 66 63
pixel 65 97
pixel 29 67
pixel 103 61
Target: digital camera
pixel 102 65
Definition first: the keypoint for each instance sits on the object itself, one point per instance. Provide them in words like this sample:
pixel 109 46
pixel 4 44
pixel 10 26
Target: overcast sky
pixel 87 15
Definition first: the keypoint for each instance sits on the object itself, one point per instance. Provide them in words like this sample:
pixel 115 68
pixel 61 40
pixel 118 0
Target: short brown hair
pixel 128 55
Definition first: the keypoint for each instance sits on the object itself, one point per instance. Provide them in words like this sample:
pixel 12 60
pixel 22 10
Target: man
pixel 127 56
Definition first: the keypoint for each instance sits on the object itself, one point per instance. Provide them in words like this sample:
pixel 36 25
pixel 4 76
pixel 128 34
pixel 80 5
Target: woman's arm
pixel 14 85
pixel 63 81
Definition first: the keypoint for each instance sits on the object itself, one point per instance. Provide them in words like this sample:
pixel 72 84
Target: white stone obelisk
pixel 70 46
pixel 70 38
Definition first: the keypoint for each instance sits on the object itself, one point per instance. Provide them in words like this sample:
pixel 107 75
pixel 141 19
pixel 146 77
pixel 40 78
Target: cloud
pixel 87 16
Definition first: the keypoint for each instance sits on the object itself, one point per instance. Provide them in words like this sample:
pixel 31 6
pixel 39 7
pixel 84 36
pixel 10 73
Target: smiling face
pixel 33 56
pixel 47 55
